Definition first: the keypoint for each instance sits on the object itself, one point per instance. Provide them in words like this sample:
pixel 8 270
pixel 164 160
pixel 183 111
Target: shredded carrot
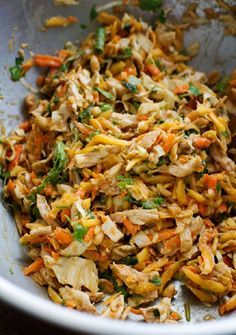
pixel 18 150
pixel 223 208
pixel 84 129
pixel 62 236
pixel 166 234
pixel 48 249
pixel 210 181
pixel 208 222
pixel 96 96
pixel 173 242
pixel 202 209
pixel 153 69
pixel 72 19
pixel 168 143
pixel 89 235
pixel 63 54
pixel 81 193
pixel 34 267
pixel 130 70
pixel 64 213
pixel 24 220
pixel 136 311
pixel 47 61
pixel 181 89
pixel 131 228
pixel 28 64
pixel 10 186
pixel 142 117
pixel 201 143
pixel 48 190
pixel 55 255
pixel 26 126
pixel 40 81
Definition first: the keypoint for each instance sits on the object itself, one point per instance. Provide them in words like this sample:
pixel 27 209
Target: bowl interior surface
pixel 21 22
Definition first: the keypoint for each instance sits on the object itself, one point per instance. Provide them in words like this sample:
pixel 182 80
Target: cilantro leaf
pixel 124 181
pixel 105 107
pixel 222 85
pixel 194 90
pixel 100 40
pixel 60 160
pixel 155 280
pixel 130 260
pixel 17 70
pixel 85 115
pixel 107 95
pixel 188 132
pixel 80 232
pixel 4 175
pixel 126 53
pixel 150 5
pixel 225 133
pixel 93 13
pixel 151 204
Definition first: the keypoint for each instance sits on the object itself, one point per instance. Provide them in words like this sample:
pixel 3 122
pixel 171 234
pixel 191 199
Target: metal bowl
pixel 21 22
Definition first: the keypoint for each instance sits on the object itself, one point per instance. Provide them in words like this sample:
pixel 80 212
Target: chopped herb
pixel 130 260
pixel 222 85
pixel 161 16
pixel 107 95
pixel 131 200
pixel 218 187
pixel 194 90
pixel 11 271
pixel 225 133
pixel 56 100
pixel 49 109
pixel 130 86
pixel 136 104
pixel 155 280
pixel 94 133
pixel 150 5
pixel 83 26
pixel 4 175
pixel 124 181
pixel 184 95
pixel 187 311
pixel 93 13
pixel 121 288
pixel 85 115
pixel 17 70
pixel 160 121
pixel 188 132
pixel 156 313
pixel 80 232
pixel 105 107
pixel 64 67
pixel 159 65
pixel 201 174
pixel 100 40
pixel 60 160
pixel 126 53
pixel 163 160
pixel 34 212
pixel 151 204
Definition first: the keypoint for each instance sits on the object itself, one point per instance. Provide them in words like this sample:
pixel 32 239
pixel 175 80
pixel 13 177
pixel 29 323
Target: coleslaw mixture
pixel 120 179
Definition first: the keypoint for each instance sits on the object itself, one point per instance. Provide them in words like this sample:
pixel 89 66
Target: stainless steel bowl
pixel 21 22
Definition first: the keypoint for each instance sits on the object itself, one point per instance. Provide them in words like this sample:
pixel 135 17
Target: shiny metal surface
pixel 21 22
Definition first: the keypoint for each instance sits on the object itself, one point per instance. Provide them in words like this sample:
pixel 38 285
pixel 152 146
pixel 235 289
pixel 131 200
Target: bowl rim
pixel 78 321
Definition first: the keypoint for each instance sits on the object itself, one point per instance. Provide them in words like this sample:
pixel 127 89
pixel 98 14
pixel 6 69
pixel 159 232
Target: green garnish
pixel 126 53
pixel 218 188
pixel 225 133
pixel 80 232
pixel 105 107
pixel 56 100
pixel 106 94
pixel 49 109
pixel 150 5
pixel 151 204
pixel 94 133
pixel 131 200
pixel 17 70
pixel 163 160
pixel 85 115
pixel 161 16
pixel 122 289
pixel 34 212
pixel 4 175
pixel 64 67
pixel 159 65
pixel 222 85
pixel 155 280
pixel 194 90
pixel 187 311
pixel 188 132
pixel 124 181
pixel 131 85
pixel 131 260
pixel 83 26
pixel 93 13
pixel 100 40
